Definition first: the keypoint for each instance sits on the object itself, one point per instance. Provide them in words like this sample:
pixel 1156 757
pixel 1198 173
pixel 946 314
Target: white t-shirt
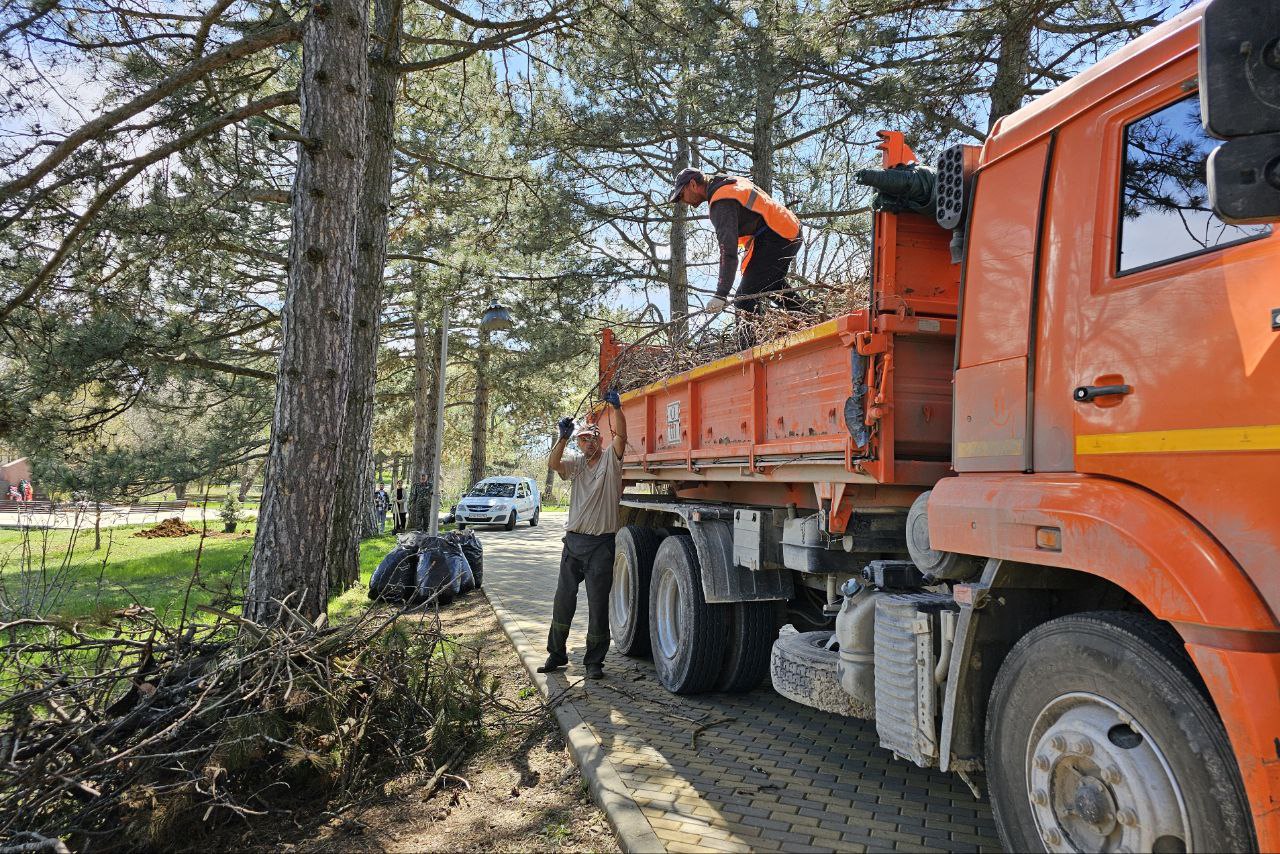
pixel 597 489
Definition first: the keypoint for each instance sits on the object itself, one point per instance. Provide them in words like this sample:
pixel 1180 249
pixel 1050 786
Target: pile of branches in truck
pixel 661 351
pixel 131 732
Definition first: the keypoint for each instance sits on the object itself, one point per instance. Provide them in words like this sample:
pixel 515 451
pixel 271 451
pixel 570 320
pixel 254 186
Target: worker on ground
pixel 745 217
pixel 596 474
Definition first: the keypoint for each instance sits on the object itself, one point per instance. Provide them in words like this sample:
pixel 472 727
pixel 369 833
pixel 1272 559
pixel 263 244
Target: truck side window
pixel 1164 203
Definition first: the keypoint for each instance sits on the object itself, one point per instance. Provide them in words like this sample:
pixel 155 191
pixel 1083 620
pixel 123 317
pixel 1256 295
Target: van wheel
pixel 1099 737
pixel 511 522
pixel 533 522
pixel 752 629
pixel 686 634
pixel 634 550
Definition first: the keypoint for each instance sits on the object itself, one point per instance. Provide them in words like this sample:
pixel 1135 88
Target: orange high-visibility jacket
pixel 775 215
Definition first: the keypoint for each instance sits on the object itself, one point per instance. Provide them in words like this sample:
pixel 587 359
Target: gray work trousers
pixel 585 557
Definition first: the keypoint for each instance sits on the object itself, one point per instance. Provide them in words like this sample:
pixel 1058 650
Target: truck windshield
pixel 493 490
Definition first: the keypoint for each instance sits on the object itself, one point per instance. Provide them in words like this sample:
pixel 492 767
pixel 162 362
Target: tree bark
pixel 426 348
pixel 353 515
pixel 678 274
pixel 248 472
pixel 314 376
pixel 767 83
pixel 480 413
pixel 1013 61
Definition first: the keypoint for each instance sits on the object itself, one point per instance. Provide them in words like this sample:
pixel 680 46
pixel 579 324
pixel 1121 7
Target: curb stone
pixel 635 834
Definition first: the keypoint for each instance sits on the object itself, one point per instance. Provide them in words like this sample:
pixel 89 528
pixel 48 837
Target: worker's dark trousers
pixel 767 272
pixel 588 557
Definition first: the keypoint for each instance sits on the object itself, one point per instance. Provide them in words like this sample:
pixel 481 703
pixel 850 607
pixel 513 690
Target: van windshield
pixel 494 490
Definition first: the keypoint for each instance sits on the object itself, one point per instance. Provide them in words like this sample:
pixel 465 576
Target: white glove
pixel 715 305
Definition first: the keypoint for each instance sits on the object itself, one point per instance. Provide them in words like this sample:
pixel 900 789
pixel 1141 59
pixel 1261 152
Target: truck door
pixel 1176 344
pixel 1000 282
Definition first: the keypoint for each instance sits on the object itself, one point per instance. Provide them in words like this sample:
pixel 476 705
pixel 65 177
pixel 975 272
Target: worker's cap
pixel 587 429
pixel 685 176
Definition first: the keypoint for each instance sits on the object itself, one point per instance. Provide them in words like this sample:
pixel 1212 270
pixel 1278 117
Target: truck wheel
pixel 752 628
pixel 633 555
pixel 687 635
pixel 804 670
pixel 1099 737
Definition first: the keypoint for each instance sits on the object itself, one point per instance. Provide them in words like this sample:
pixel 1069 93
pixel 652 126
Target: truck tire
pixel 752 628
pixel 686 634
pixel 635 548
pixel 1099 736
pixel 803 669
pixel 933 563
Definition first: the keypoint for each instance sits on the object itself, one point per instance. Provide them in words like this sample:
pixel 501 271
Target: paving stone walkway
pixel 723 772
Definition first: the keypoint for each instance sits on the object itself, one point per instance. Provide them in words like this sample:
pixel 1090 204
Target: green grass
pixel 153 572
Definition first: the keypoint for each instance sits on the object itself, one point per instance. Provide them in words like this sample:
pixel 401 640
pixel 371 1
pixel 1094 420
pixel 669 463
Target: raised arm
pixel 619 423
pixel 565 426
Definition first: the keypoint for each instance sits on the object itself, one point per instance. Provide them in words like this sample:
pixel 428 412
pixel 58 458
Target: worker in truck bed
pixel 745 217
pixel 596 474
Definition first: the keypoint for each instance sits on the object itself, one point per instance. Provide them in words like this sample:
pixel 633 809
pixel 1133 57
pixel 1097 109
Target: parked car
pixel 500 501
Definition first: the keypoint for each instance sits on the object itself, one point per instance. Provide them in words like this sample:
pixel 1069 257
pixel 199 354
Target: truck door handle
pixel 1086 393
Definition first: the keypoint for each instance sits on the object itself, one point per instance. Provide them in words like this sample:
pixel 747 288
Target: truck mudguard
pixel 1113 530
pixel 1170 564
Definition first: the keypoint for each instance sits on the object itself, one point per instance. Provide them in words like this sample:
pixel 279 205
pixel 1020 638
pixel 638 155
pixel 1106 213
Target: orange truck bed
pixel 860 400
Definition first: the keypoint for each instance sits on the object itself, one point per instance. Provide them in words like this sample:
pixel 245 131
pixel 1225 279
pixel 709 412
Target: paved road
pixel 762 774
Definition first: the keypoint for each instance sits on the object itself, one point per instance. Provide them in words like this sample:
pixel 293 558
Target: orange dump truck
pixel 1024 510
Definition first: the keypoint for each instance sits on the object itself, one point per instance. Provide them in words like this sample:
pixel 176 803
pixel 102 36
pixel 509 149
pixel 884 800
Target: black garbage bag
pixel 463 579
pixel 472 551
pixel 396 576
pixel 435 574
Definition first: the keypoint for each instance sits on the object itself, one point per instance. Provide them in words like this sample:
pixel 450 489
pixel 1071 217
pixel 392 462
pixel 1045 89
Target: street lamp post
pixel 496 319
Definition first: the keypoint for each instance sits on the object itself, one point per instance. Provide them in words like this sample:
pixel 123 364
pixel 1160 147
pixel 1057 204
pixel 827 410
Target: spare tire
pixel 804 670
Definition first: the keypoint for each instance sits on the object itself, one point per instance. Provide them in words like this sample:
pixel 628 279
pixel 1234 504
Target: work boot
pixel 554 663
pixel 595 671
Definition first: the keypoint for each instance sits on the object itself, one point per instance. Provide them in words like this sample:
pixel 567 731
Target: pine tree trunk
pixel 395 470
pixel 1013 62
pixel 180 491
pixel 480 414
pixel 767 85
pixel 548 490
pixel 314 375
pixel 353 515
pixel 678 274
pixel 426 352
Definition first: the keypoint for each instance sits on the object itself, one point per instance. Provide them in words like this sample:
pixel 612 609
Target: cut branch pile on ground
pixel 174 527
pixel 133 733
pixel 657 353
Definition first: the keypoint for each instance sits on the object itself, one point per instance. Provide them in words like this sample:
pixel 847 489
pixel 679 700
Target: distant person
pixel 14 495
pixel 401 507
pixel 381 504
pixel 28 491
pixel 596 475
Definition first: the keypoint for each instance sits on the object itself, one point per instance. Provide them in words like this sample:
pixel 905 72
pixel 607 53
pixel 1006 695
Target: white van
pixel 500 501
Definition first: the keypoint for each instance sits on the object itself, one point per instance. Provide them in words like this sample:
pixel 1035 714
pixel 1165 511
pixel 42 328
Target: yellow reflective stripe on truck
pixel 1258 438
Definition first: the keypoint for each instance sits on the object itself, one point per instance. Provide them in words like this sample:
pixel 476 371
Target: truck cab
pixel 1021 510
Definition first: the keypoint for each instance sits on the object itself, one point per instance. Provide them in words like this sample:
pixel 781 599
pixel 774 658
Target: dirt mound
pixel 174 527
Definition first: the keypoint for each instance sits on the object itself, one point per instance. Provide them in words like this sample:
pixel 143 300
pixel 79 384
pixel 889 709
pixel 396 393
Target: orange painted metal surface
pixel 774 416
pixel 1169 491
